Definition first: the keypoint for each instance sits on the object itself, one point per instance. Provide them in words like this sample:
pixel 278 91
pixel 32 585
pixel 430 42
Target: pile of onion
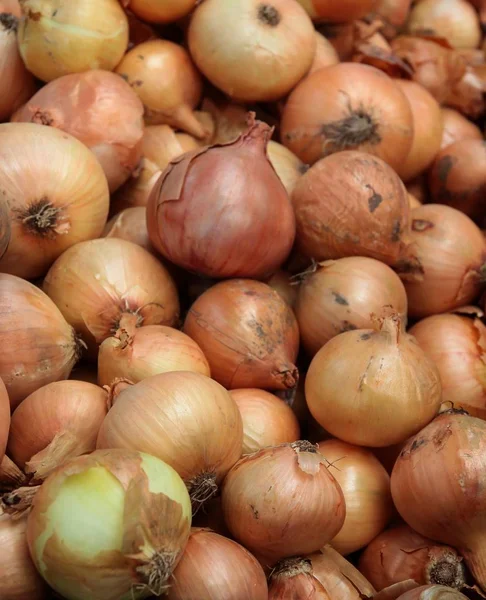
pixel 99 109
pixel 341 295
pixel 52 203
pixel 154 11
pixel 133 521
pixel 131 225
pixel 211 185
pixel 351 204
pixel 248 334
pixel 457 128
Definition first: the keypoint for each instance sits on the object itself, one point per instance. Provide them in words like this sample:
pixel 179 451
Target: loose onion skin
pixel 58 38
pixel 342 12
pixel 433 592
pixel 348 106
pixel 269 496
pixel 457 128
pixel 351 204
pixel 131 225
pixel 248 334
pixel 288 167
pixel 99 109
pixel 366 488
pixel 4 418
pixel 342 295
pixel 273 43
pixel 214 567
pixel 5 228
pixel 103 284
pixel 37 345
pixel 161 11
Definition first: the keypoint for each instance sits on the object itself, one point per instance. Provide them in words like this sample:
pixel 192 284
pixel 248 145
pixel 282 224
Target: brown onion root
pixel 156 573
pixel 446 568
pixel 291 567
pixel 202 488
pixel 45 219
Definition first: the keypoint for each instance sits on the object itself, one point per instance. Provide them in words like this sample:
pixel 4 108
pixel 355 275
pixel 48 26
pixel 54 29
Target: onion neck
pixel 256 136
pixel 129 322
pixel 291 567
pixel 286 376
pixel 43 219
pixel 392 326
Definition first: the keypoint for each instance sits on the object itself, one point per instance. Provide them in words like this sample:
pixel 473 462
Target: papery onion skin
pixel 433 592
pixel 131 225
pixel 325 56
pixel 273 43
pixel 292 506
pixel 165 11
pixel 5 228
pixel 57 38
pixel 288 167
pixel 214 567
pixel 100 284
pixel 148 351
pixel 342 12
pixel 37 345
pixel 366 488
pixel 342 295
pixel 457 127
pixel 248 334
pixel 4 418
pixel 351 204
pixel 134 521
pixel 99 109
pixel 348 106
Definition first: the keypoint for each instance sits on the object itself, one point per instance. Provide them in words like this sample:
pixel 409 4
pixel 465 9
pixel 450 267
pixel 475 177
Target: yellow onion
pixel 281 283
pixel 288 167
pixel 214 567
pixel 342 295
pixel 432 592
pixel 325 55
pixel 140 353
pixel 99 109
pixel 37 345
pixel 160 11
pixel 283 501
pixel 57 38
pixel 133 519
pixel 104 284
pixel 373 387
pixel 413 201
pixel 4 419
pixel 52 203
pixel 131 225
pixel 366 488
pixel 457 127
pixel 55 423
pixel 188 420
pixel 230 119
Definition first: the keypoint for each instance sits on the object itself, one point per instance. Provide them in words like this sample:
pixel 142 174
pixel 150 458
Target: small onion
pixel 214 567
pixel 457 128
pixel 288 167
pixel 52 203
pixel 4 419
pixel 99 109
pixel 351 204
pixel 281 283
pixel 163 76
pixel 55 423
pixel 283 501
pixel 373 387
pixel 133 519
pixel 325 56
pixel 394 13
pixel 366 488
pixel 342 295
pixel 131 225
pixel 58 38
pixel 160 11
pixel 248 333
pixel 37 346
pixel 433 592
pixel 348 106
pixel 103 284
pixel 337 12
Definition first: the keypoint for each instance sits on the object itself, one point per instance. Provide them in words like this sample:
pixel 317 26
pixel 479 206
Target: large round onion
pixel 248 333
pixel 130 225
pixel 52 203
pixel 348 106
pixel 457 127
pixel 99 109
pixel 4 418
pixel 37 346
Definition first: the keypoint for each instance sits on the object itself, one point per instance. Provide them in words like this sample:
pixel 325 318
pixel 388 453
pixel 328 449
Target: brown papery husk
pixel 11 477
pixel 453 445
pixel 230 119
pixel 467 94
pixel 351 204
pixel 131 225
pixel 457 127
pixel 433 592
pixel 325 575
pixel 248 334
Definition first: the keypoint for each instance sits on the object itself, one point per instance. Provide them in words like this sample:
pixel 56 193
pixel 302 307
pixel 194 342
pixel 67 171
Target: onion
pixel 37 346
pixel 427 129
pixel 366 488
pixel 283 501
pixel 433 592
pixel 324 575
pixel 351 204
pixel 98 108
pixel 373 387
pixel 252 50
pixel 413 201
pixel 5 228
pixel 325 56
pixel 57 39
pixel 187 419
pixel 401 553
pixel 133 521
pixel 248 334
pixel 4 419
pixel 437 486
pixel 348 106
pixel 217 568
pixel 161 11
pixel 211 185
pixel 329 10
pixel 19 579
pixel 445 271
pixel 454 20
pixel 167 82
pixel 230 119
pixel 108 283
pixel 52 203
pixel 342 295
pixel 55 423
pixel 130 225
pixel 458 177
pixel 394 13
pixel 281 283
pixel 288 167
pixel 457 128
pixel 141 353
